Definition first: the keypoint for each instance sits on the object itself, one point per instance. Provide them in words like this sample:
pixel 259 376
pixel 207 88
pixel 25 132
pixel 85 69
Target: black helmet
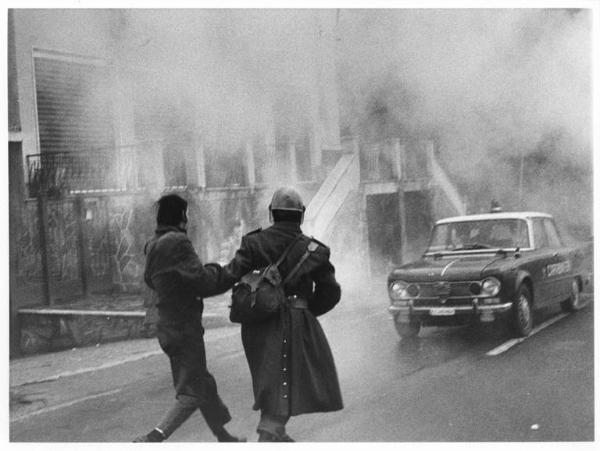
pixel 286 198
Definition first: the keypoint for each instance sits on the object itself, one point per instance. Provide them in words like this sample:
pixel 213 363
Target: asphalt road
pixel 450 384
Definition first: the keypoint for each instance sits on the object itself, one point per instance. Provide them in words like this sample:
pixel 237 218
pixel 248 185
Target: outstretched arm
pixel 205 280
pixel 210 279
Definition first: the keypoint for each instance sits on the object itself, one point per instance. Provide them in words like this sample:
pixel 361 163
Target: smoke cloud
pixel 233 65
pixel 505 94
pixel 492 87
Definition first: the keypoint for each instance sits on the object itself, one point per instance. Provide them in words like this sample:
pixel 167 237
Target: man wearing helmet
pixel 290 361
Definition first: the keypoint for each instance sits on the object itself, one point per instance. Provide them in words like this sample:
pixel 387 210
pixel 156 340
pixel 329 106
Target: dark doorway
pixel 383 222
pixel 418 223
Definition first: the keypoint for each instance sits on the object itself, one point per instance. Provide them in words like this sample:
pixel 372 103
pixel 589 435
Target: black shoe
pixel 264 436
pixel 286 438
pixel 153 436
pixel 230 438
pixel 224 436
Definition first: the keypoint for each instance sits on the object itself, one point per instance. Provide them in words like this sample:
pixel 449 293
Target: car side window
pixel 552 234
pixel 539 234
pixel 521 237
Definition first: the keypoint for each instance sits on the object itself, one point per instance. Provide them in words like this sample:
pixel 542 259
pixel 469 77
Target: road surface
pixel 450 384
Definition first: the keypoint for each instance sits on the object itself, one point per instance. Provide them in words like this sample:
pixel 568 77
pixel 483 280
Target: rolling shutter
pixel 73 105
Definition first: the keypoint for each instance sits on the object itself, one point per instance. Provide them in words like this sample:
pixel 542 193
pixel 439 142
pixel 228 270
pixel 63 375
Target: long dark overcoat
pixel 291 364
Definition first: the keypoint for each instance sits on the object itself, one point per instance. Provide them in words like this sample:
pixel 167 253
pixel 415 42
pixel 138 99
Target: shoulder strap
pixel 312 246
pixel 287 250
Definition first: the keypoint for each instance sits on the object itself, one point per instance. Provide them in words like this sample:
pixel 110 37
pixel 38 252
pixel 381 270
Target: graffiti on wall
pixel 29 259
pixel 130 225
pixel 62 241
pixel 115 229
pixel 97 238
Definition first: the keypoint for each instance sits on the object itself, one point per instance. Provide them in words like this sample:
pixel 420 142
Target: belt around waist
pixel 297 302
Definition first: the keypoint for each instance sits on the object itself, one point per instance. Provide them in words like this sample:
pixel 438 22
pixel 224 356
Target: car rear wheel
pixel 574 302
pixel 408 330
pixel 522 313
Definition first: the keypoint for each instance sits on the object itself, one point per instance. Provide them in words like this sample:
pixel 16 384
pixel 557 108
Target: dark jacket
pixel 176 274
pixel 178 281
pixel 290 361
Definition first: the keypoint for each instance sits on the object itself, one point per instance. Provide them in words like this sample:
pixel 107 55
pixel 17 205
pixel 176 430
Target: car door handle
pixel 555 254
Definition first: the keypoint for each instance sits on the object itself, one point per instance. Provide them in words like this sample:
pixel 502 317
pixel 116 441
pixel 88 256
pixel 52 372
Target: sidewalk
pixel 53 365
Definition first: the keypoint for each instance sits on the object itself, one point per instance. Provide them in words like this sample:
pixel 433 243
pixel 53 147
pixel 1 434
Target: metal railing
pixel 58 174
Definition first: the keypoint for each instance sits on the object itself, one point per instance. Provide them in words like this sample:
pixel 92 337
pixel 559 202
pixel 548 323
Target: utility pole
pixel 521 174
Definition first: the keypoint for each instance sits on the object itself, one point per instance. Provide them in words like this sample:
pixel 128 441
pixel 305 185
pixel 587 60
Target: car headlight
pixel 490 286
pixel 399 290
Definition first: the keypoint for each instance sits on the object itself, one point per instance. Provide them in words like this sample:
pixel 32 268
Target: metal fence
pixel 62 173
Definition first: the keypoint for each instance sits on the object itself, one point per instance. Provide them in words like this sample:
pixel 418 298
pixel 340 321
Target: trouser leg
pixel 195 385
pixel 273 424
pixel 183 408
pixel 213 409
pixel 177 415
pixel 196 388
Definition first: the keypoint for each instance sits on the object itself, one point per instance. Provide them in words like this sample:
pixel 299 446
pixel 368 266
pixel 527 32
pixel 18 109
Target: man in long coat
pixel 178 281
pixel 290 361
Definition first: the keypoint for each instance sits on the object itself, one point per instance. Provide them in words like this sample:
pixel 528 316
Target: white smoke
pixel 490 86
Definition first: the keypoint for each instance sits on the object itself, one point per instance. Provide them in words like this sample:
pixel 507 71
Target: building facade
pixel 109 109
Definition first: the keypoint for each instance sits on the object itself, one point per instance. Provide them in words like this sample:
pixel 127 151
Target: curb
pixel 88 369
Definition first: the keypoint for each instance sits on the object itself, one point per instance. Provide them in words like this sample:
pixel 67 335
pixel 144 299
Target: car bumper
pixel 485 312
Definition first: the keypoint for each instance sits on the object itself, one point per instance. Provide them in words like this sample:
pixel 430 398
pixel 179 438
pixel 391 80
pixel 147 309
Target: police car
pixel 480 267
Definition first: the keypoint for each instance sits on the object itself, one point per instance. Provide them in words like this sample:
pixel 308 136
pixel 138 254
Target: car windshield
pixel 485 234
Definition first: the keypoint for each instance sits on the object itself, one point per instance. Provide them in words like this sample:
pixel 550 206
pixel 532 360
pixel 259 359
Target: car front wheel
pixel 574 302
pixel 408 330
pixel 522 313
